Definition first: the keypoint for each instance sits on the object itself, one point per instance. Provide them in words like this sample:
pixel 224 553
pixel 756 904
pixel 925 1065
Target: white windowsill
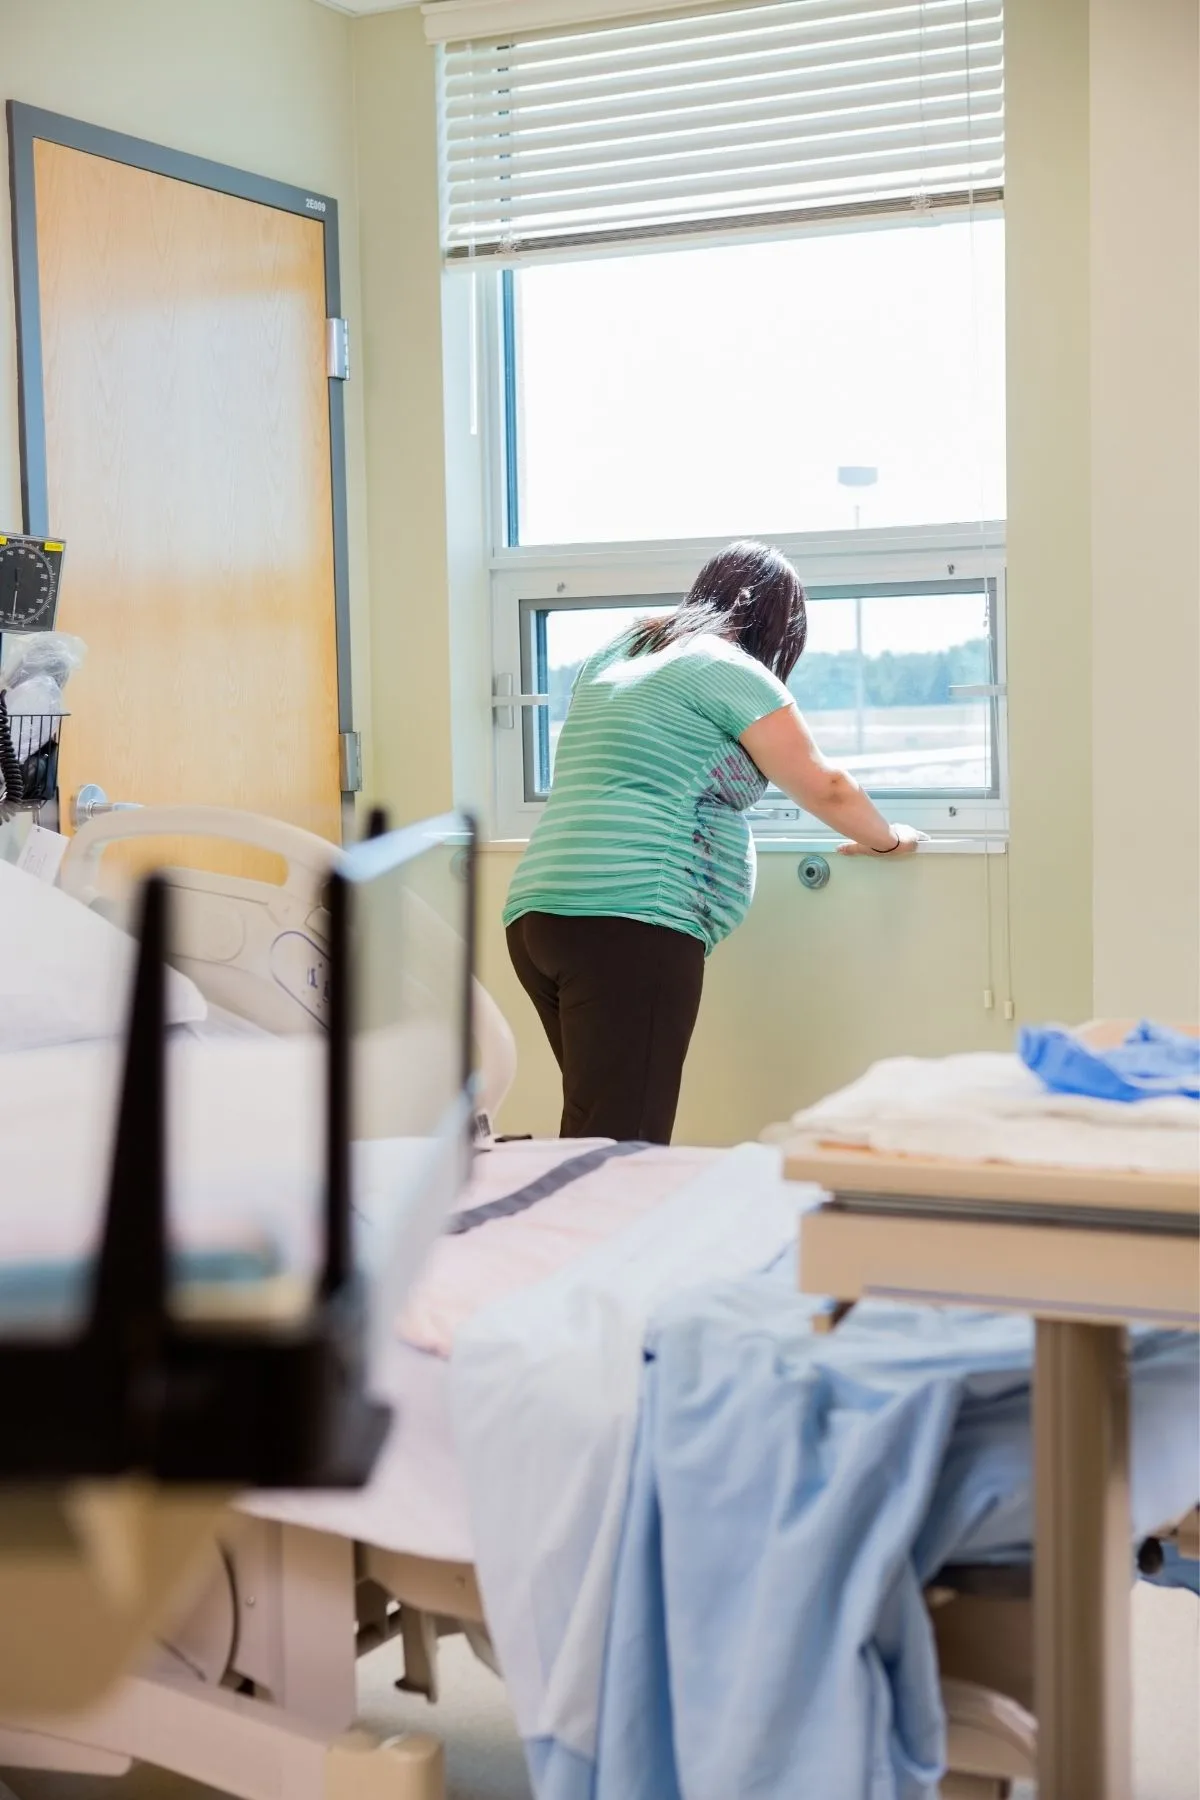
pixel 967 845
pixel 802 846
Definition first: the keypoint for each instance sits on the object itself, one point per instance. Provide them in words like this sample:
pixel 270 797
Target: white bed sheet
pixel 416 1501
pixel 244 1145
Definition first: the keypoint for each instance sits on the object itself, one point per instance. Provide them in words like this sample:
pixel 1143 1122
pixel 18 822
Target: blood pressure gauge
pixel 29 575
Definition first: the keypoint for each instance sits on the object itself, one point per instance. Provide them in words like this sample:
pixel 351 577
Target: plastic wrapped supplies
pixel 33 675
pixel 36 670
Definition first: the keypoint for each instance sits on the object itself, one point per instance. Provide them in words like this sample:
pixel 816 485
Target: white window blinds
pixel 757 115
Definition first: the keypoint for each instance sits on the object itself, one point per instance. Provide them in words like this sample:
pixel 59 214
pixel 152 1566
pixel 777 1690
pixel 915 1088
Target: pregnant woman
pixel 644 861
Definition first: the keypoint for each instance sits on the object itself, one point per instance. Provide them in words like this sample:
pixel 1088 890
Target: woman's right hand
pixel 907 838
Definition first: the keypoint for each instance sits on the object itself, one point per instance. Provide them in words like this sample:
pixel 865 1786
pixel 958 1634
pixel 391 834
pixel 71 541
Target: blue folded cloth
pixel 1152 1062
pixel 1178 1571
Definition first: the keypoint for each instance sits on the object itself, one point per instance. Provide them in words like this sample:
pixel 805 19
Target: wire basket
pixel 28 756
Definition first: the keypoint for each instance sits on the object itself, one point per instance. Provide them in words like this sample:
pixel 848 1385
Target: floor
pixel 484 1757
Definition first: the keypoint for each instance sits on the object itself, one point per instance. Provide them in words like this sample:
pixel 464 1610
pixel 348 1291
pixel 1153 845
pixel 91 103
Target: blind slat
pixel 658 67
pixel 767 103
pixel 755 112
pixel 649 142
pixel 820 174
pixel 944 143
pixel 824 17
pixel 795 85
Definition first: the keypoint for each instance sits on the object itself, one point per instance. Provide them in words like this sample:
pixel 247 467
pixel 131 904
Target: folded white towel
pixel 990 1108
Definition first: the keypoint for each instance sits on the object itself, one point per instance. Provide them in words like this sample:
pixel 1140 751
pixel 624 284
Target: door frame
pixel 29 124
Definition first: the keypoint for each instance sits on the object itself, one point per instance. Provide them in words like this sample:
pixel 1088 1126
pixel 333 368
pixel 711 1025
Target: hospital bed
pixel 262 1379
pixel 255 1679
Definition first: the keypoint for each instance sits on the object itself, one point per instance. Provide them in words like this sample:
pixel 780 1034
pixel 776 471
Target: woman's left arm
pixel 784 750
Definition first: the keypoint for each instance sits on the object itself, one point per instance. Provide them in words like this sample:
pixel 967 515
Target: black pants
pixel 618 1001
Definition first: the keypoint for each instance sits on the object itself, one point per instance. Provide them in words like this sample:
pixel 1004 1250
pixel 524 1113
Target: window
pixel 898 683
pixel 813 384
pixel 651 407
pixel 742 274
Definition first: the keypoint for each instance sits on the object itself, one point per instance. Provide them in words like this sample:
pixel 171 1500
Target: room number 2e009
pixel 314 205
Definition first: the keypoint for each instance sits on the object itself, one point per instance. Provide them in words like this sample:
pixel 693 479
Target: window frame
pixel 523 582
pixel 522 578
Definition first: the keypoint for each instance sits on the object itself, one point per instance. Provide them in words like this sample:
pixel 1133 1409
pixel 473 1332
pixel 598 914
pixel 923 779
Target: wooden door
pixel 187 445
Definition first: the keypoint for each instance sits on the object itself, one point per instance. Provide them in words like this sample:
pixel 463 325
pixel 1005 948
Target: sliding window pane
pixel 876 683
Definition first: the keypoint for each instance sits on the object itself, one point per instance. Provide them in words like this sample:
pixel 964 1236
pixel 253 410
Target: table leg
pixel 1082 1562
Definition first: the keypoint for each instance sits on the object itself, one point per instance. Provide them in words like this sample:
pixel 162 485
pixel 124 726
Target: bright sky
pixel 718 391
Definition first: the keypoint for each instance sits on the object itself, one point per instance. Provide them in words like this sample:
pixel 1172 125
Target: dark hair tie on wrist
pixel 892 848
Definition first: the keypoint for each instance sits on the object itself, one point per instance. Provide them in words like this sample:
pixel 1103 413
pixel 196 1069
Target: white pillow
pixel 66 974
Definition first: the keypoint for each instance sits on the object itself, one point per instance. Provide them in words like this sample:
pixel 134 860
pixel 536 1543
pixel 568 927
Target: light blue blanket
pixel 790 1496
pixel 545 1386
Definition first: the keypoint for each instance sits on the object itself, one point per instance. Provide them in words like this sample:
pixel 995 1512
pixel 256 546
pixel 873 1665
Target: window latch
pixel 502 708
pixel 505 701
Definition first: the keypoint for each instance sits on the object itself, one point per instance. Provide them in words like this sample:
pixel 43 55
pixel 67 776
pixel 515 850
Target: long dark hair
pixel 748 594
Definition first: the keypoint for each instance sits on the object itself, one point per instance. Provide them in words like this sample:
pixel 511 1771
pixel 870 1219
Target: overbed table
pixel 1086 1253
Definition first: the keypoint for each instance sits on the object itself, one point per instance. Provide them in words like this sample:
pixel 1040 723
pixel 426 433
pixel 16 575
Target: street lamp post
pixel 856 477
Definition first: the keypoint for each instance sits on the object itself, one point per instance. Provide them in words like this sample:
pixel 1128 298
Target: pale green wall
pixel 885 960
pixel 401 369
pixel 1049 505
pixel 812 988
pixel 266 85
pixel 1145 271
pixel 815 986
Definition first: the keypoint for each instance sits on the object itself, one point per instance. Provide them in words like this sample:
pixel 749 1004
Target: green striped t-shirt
pixel 645 815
